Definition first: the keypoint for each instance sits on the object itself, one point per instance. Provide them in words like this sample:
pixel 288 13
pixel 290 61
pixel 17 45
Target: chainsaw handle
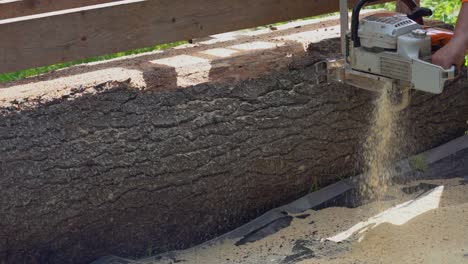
pixel 355 21
pixel 419 13
pixel 411 4
pixel 452 73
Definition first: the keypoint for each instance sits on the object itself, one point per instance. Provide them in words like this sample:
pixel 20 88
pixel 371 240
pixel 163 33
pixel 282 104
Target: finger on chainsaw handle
pixel 451 54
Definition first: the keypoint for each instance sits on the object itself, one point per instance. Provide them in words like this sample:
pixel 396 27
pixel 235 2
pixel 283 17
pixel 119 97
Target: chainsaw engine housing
pixel 394 46
pixel 382 30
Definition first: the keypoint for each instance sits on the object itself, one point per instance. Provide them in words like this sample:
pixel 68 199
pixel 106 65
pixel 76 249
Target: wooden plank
pixel 17 8
pixel 79 33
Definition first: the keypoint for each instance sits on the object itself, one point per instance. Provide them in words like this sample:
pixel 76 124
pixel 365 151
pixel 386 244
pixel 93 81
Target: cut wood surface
pixel 165 150
pixel 18 8
pixel 130 24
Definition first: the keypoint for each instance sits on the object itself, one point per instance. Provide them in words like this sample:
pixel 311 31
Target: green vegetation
pixel 315 186
pixel 419 163
pixel 388 6
pixel 446 11
pixel 150 251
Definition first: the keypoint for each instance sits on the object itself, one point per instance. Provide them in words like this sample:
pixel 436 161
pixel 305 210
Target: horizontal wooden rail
pixel 119 26
pixel 18 8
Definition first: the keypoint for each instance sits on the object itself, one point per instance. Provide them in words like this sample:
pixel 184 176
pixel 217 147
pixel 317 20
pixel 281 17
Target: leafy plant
pixel 446 11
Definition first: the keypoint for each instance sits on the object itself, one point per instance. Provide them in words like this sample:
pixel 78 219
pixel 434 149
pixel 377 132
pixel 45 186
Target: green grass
pixel 301 19
pixel 315 186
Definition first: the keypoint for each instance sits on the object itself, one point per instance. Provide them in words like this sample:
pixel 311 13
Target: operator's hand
pixel 451 54
pixel 454 52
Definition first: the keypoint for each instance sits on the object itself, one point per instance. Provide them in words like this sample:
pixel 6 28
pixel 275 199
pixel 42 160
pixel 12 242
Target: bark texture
pixel 113 169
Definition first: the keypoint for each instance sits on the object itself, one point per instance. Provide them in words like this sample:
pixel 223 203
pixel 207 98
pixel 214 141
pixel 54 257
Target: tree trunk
pixel 112 168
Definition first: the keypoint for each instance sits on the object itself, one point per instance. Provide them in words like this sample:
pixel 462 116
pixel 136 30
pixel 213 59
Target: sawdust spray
pixel 381 148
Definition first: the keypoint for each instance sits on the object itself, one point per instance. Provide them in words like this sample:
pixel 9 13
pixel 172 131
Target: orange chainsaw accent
pixel 440 37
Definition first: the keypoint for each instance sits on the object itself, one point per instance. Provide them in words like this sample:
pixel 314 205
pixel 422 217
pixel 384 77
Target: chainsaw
pixel 390 51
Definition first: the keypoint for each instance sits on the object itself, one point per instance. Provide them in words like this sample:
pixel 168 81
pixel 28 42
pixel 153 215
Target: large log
pixel 92 164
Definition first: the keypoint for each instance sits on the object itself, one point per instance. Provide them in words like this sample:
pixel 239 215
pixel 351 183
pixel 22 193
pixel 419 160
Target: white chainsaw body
pixel 386 51
pixel 397 48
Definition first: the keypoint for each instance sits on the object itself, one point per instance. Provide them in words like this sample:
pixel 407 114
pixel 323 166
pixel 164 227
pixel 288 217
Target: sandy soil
pixel 428 236
pixel 438 236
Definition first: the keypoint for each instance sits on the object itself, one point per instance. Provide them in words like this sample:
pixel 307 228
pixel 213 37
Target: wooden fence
pixel 43 32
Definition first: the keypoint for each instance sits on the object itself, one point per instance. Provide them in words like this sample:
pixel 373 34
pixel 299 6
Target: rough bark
pixel 113 169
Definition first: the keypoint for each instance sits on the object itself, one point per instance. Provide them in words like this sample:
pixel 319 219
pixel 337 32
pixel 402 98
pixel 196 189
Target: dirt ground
pixel 423 222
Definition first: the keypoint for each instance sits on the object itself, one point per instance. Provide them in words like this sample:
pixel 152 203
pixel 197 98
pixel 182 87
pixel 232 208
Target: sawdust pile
pixel 432 236
pixel 381 148
pixel 437 236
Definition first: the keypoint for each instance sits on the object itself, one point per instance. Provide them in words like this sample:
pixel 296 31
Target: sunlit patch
pixel 181 60
pixel 54 88
pixel 219 38
pixel 398 215
pixel 220 52
pixel 189 70
pixel 193 70
pixel 257 45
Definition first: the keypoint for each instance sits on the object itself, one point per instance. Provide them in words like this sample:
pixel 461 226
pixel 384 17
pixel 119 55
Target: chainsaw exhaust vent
pixel 395 68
